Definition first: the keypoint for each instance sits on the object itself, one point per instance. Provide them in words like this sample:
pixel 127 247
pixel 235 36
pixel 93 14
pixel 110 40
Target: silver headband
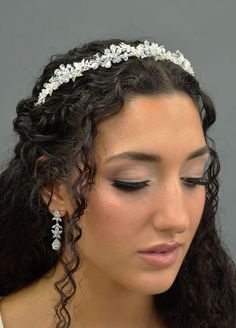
pixel 114 54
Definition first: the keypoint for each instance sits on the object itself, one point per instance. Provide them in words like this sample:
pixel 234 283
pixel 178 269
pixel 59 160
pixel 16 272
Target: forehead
pixel 165 124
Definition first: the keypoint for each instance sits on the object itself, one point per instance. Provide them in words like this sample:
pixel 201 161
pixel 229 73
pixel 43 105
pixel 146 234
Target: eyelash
pixel 193 182
pixel 135 186
pixel 128 186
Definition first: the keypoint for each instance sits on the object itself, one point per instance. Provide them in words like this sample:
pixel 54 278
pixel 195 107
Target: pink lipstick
pixel 161 254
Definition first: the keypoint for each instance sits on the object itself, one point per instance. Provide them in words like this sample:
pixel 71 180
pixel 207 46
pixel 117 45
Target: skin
pixel 115 284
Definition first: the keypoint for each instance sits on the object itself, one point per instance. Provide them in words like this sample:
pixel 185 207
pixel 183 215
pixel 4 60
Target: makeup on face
pixel 130 171
pixel 149 190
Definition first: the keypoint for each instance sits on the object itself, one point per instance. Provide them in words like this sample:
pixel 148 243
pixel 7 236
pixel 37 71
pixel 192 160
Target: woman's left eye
pixel 130 186
pixel 193 182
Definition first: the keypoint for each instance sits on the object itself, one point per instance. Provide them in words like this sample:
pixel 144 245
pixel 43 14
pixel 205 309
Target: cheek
pixel 111 222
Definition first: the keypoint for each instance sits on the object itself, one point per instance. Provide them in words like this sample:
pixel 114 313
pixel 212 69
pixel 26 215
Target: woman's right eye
pixel 130 186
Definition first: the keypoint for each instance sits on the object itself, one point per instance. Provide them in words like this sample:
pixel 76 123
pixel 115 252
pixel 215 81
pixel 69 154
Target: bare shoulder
pixel 30 307
pixel 10 308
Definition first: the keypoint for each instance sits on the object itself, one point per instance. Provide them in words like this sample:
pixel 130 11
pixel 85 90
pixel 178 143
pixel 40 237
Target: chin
pixel 155 282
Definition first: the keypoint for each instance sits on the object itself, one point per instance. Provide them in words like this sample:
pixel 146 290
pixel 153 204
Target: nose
pixel 171 208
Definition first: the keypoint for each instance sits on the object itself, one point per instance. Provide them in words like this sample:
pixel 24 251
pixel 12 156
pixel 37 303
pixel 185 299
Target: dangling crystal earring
pixel 56 245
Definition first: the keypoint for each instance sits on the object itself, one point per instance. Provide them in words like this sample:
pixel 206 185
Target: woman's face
pixel 118 223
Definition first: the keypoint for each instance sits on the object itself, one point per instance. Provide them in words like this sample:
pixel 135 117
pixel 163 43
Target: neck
pixel 101 302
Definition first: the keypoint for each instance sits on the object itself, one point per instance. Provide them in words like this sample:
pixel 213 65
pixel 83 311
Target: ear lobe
pixel 58 198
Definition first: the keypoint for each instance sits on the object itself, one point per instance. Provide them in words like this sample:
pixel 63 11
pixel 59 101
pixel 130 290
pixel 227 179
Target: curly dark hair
pixel 62 130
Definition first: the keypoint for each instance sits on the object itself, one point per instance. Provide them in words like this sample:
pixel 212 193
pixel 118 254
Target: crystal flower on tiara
pixel 114 54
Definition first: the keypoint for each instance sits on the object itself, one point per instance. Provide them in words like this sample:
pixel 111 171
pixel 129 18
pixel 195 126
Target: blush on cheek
pixel 109 219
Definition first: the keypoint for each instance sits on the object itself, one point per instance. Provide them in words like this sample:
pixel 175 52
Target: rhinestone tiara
pixel 114 54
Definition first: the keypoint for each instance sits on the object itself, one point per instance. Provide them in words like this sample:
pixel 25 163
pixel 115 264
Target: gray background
pixel 32 30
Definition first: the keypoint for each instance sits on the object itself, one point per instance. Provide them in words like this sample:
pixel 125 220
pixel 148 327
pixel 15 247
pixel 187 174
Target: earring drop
pixel 56 245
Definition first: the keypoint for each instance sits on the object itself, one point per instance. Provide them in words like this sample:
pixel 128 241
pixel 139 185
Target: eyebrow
pixel 146 157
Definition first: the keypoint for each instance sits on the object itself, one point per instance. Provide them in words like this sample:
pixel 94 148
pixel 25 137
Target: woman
pixel 108 206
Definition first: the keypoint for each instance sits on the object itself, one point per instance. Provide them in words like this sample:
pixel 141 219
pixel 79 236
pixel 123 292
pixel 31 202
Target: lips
pixel 160 259
pixel 161 248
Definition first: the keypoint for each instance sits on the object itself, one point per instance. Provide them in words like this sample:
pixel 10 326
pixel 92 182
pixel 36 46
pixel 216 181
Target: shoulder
pixel 26 309
pixel 10 312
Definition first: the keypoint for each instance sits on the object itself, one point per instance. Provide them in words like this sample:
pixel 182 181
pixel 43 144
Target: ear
pixel 61 199
pixel 59 195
